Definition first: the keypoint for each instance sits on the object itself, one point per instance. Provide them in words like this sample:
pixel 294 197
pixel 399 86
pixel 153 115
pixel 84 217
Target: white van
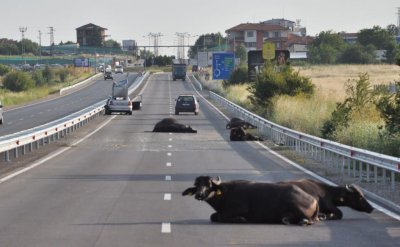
pixel 1 113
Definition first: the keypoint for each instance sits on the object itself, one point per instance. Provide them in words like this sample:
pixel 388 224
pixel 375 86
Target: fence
pixel 19 143
pixel 362 164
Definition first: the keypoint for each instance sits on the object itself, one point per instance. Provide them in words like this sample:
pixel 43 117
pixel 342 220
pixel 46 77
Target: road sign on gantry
pixel 223 65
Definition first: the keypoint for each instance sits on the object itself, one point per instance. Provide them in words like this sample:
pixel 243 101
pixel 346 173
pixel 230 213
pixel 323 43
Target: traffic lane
pixel 266 167
pixel 37 114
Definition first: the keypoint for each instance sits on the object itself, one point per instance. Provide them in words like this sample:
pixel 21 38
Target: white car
pixel 119 69
pixel 118 104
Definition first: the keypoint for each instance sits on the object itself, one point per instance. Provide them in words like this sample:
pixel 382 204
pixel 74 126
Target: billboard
pixel 81 62
pixel 223 65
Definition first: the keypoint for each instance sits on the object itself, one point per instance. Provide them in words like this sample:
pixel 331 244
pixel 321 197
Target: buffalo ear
pixel 350 188
pixel 189 191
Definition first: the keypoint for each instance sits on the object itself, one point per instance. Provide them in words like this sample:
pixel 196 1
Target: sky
pixel 133 19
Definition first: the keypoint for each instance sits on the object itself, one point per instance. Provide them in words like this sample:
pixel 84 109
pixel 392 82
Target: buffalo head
pixel 204 188
pixel 354 198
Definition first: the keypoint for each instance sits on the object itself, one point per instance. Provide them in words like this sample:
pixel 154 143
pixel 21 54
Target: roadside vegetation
pixel 19 87
pixel 349 104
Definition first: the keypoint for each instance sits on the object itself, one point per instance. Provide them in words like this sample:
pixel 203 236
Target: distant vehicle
pixel 108 75
pixel 1 113
pixel 195 68
pixel 186 103
pixel 108 68
pixel 101 68
pixel 119 69
pixel 178 71
pixel 118 104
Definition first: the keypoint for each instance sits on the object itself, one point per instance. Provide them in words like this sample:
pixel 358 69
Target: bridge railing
pixel 19 143
pixel 365 165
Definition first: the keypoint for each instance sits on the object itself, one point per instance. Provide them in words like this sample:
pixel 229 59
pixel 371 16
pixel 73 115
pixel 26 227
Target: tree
pixel 9 47
pixel 392 29
pixel 382 39
pixel 358 54
pixel 206 42
pixel 241 53
pixel 326 48
pixel 29 46
pixel 112 43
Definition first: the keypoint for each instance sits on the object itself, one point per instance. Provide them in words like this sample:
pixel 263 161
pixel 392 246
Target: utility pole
pixel 40 46
pixel 398 21
pixel 156 37
pixel 51 39
pixel 23 30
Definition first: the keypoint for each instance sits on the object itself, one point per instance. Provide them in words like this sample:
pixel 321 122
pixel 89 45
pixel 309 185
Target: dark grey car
pixel 186 103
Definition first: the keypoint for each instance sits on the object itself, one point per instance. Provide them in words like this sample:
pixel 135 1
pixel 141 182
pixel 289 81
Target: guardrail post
pixel 7 156
pixel 393 180
pixel 31 147
pixel 23 150
pixel 16 152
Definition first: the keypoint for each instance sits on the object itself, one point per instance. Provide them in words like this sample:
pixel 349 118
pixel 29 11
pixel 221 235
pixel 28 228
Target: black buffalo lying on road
pixel 241 201
pixel 172 125
pixel 240 134
pixel 331 197
pixel 239 123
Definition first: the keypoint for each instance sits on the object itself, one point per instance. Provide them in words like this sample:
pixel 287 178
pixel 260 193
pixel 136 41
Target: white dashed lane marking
pixel 167 197
pixel 168 164
pixel 169 154
pixel 166 227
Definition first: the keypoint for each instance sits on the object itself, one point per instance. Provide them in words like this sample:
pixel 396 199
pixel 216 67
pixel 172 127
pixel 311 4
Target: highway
pixel 33 115
pixel 122 185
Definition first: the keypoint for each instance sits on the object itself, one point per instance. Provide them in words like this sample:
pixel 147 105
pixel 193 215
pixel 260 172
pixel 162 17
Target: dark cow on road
pixel 241 201
pixel 331 197
pixel 239 123
pixel 172 125
pixel 239 134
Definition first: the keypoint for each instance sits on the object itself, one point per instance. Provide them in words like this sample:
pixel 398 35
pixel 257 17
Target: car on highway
pixel 118 69
pixel 118 104
pixel 186 103
pixel 1 113
pixel 108 75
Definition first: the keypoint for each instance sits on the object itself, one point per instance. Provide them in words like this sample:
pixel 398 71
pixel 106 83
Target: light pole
pixel 23 30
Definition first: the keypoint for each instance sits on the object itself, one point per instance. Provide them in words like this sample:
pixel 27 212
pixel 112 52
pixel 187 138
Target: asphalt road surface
pixel 33 115
pixel 122 187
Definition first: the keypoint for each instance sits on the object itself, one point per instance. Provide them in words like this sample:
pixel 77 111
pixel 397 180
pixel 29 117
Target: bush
pixel 37 76
pixel 63 74
pixel 4 69
pixel 238 76
pixel 18 81
pixel 48 74
pixel 389 108
pixel 278 81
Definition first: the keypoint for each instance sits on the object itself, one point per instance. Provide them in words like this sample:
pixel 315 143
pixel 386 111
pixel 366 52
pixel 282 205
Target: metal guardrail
pixel 17 143
pixel 366 165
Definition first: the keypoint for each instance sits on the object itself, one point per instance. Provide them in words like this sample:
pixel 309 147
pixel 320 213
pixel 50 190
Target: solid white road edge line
pixel 54 154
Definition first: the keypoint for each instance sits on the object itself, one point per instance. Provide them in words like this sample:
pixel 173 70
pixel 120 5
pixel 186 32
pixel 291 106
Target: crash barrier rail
pixel 367 166
pixel 66 89
pixel 198 84
pixel 19 143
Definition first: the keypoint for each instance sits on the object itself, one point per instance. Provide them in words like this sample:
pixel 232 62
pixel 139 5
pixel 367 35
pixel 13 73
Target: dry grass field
pixel 330 79
pixel 308 114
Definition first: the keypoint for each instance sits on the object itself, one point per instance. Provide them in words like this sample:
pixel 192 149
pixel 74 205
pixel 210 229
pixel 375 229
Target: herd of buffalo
pixel 302 202
pixel 237 126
